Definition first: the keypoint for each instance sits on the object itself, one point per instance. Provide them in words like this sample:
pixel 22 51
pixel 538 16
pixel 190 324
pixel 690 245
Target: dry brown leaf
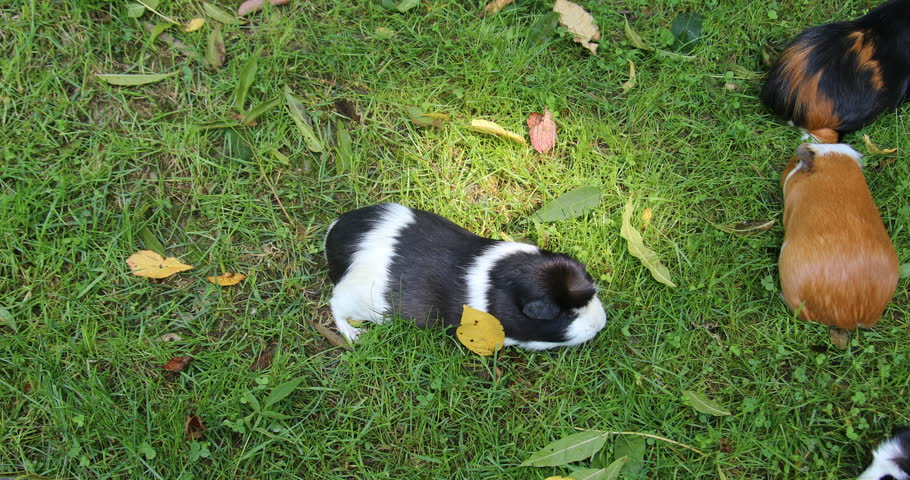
pixel 193 427
pixel 840 338
pixel 147 263
pixel 194 24
pixel 331 337
pixel 873 148
pixel 250 6
pixel 264 359
pixel 495 6
pixel 227 279
pixel 177 364
pixel 170 337
pixel 486 126
pixel 543 131
pixel 579 22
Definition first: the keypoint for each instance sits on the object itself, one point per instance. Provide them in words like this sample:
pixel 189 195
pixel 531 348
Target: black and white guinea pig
pixel 891 459
pixel 836 78
pixel 388 259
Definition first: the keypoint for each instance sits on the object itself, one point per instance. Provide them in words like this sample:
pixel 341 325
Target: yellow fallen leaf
pixel 485 126
pixel 147 263
pixel 873 148
pixel 227 279
pixel 630 84
pixel 480 332
pixel 579 22
pixel 646 216
pixel 637 248
pixel 557 477
pixel 194 24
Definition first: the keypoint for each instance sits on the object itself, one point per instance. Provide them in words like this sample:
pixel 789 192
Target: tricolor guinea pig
pixel 891 459
pixel 837 263
pixel 389 259
pixel 835 78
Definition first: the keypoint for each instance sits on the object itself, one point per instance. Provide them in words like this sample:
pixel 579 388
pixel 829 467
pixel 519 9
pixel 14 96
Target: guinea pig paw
pixel 349 332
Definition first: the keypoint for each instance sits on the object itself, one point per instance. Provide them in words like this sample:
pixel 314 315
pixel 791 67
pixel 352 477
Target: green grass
pixel 87 167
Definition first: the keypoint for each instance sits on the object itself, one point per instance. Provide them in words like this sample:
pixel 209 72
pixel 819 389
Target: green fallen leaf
pixel 158 29
pixel 7 318
pixel 633 37
pixel 610 472
pixel 426 119
pixel 295 108
pixel 633 448
pixel 220 15
pixel 638 249
pixel 261 109
pixel 281 391
pixel 281 157
pixel 218 124
pixel 151 242
pixel 237 146
pixel 687 29
pixel 132 80
pixel 247 76
pixel 571 204
pixel 135 10
pixel 214 49
pixel 544 29
pixel 702 404
pixel 345 149
pixel 575 447
pixel 402 6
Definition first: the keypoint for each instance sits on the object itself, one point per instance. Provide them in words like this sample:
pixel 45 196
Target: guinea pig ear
pixel 541 309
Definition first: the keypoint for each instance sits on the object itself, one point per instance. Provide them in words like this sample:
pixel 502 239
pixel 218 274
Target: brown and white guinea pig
pixel 837 264
pixel 891 459
pixel 835 78
pixel 388 259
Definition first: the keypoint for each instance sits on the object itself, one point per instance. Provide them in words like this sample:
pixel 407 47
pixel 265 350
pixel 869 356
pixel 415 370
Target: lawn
pixel 92 172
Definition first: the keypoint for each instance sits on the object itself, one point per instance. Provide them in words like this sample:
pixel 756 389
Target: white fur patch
pixel 797 168
pixel 840 148
pixel 883 462
pixel 589 320
pixel 361 292
pixel 478 275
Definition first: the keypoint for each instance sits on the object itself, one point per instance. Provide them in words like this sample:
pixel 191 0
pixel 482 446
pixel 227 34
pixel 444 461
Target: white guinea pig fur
pixel 391 260
pixel 891 459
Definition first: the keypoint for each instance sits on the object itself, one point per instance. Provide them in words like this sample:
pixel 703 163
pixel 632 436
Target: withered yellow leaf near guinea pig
pixel 227 279
pixel 486 126
pixel 146 263
pixel 480 332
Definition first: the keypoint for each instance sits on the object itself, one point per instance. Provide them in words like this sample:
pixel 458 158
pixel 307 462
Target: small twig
pixel 648 435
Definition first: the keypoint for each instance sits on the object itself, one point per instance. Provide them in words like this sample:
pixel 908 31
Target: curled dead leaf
pixel 177 364
pixel 193 427
pixel 486 126
pixel 747 227
pixel 874 149
pixel 170 337
pixel 330 336
pixel 194 24
pixel 646 216
pixel 542 130
pixel 630 84
pixel 227 279
pixel 147 263
pixel 840 338
pixel 579 22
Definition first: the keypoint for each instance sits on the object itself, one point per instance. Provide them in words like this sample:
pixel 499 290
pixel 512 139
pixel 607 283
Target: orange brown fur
pixel 864 51
pixel 837 266
pixel 816 108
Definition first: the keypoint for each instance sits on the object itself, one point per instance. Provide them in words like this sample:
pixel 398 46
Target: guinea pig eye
pixel 541 309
